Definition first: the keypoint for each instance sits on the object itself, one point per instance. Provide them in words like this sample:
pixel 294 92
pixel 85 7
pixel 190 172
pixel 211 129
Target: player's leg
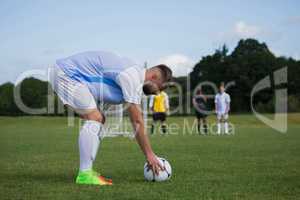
pixel 154 120
pixel 164 128
pixel 204 124
pixel 152 127
pixel 90 137
pixel 78 97
pixel 198 117
pixel 219 120
pixel 225 117
pixel 222 124
pixel 199 125
pixel 163 123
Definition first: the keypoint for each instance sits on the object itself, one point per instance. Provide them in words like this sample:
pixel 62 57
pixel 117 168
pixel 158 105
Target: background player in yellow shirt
pixel 159 105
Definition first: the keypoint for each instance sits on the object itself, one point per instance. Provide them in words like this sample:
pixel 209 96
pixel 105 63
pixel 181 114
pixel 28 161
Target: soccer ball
pixel 162 176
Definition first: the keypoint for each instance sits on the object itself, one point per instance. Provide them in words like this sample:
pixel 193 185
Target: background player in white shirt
pixel 222 107
pixel 84 79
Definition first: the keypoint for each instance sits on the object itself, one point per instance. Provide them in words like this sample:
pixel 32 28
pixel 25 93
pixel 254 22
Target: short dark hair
pixel 165 71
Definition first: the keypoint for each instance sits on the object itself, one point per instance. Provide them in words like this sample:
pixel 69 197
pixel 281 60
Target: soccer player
pixel 200 105
pixel 222 107
pixel 159 105
pixel 83 79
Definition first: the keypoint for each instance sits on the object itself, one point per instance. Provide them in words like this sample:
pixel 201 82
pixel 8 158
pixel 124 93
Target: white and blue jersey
pixel 222 101
pixel 109 77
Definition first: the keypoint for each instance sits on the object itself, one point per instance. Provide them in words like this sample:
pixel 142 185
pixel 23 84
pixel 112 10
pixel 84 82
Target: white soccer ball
pixel 162 176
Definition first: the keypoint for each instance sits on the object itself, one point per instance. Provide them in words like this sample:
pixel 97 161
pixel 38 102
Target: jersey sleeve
pixel 131 83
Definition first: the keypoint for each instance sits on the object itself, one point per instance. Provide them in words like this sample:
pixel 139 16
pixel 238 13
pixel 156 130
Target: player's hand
pixel 154 164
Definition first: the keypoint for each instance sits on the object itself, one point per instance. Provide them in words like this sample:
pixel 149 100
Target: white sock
pixel 89 141
pixel 226 127
pixel 219 128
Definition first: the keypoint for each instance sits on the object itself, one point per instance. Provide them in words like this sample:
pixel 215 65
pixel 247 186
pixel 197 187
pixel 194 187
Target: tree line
pixel 249 62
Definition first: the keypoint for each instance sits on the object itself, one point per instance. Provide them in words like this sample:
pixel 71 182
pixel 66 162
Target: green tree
pixel 248 63
pixel 7 104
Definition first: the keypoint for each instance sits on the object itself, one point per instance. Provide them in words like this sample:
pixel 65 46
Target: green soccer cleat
pixel 90 177
pixel 102 177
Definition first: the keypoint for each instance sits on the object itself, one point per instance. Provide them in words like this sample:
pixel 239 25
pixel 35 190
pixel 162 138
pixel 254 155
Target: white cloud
pixel 244 30
pixel 180 64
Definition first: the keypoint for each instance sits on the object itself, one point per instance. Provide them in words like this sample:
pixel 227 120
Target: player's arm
pixel 151 102
pixel 216 104
pixel 167 104
pixel 227 107
pixel 227 104
pixel 137 120
pixel 194 102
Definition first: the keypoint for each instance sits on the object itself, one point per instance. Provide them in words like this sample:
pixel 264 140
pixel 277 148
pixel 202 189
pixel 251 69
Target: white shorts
pixel 222 116
pixel 71 92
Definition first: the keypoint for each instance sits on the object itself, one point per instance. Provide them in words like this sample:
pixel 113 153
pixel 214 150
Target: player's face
pixel 222 89
pixel 155 82
pixel 159 81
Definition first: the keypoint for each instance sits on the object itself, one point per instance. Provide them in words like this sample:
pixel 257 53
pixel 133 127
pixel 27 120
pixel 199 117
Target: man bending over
pixel 83 79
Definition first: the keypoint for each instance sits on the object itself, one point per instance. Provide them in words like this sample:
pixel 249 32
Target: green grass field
pixel 39 160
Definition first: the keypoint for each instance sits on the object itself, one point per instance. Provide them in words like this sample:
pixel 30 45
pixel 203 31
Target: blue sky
pixel 35 33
